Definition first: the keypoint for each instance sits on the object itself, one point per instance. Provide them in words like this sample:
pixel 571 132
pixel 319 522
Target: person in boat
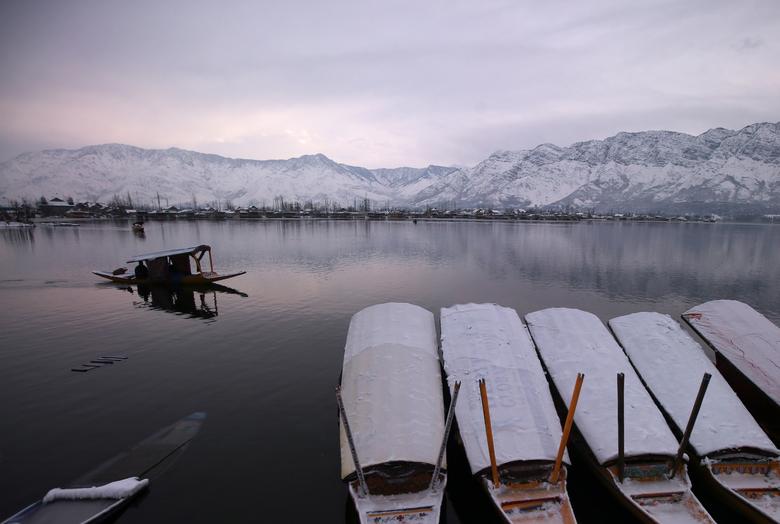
pixel 141 271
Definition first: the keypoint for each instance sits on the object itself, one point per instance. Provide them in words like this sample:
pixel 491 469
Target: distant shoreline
pixel 539 219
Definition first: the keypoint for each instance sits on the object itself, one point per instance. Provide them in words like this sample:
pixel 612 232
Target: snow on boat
pixel 392 397
pixel 169 267
pixel 734 457
pixel 572 341
pixel 490 342
pixel 747 351
pixel 102 493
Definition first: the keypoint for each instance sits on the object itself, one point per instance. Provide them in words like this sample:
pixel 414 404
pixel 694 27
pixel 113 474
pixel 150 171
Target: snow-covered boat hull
pixel 422 507
pixel 750 487
pixel 747 347
pixel 732 457
pixel 531 502
pixel 99 495
pixel 391 396
pixel 572 341
pixel 489 342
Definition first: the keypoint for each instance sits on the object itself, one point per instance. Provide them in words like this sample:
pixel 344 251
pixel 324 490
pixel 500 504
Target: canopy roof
pixel 391 387
pixel 170 253
pixel 671 363
pixel 745 337
pixel 572 341
pixel 489 341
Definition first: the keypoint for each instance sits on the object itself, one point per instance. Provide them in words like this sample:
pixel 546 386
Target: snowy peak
pixel 717 171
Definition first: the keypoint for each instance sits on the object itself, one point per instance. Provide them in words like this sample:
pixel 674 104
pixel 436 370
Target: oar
pixel 363 491
pixel 575 396
pixel 489 431
pixel 705 380
pixel 447 428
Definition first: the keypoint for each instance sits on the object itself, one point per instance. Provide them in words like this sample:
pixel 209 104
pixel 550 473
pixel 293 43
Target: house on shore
pixel 56 207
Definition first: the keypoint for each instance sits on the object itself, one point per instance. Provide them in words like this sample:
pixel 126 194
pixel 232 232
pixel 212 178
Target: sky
pixel 379 83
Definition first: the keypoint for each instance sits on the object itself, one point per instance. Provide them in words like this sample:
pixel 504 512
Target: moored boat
pixel 642 473
pixel 392 415
pixel 732 455
pixel 103 493
pixel 747 352
pixel 169 267
pixel 490 343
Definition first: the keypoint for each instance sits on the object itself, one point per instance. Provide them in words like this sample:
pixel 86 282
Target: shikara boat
pixel 732 456
pixel 138 227
pixel 391 420
pixel 642 474
pixel 104 492
pixel 747 352
pixel 490 343
pixel 170 267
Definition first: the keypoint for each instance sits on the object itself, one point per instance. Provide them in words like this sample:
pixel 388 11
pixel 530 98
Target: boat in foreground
pixel 102 493
pixel 732 455
pixel 171 267
pixel 392 415
pixel 490 343
pixel 747 352
pixel 643 473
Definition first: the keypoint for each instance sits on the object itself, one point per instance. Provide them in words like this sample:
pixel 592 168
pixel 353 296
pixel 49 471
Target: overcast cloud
pixel 379 84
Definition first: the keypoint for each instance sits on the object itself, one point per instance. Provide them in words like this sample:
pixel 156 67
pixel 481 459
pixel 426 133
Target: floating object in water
pixel 98 363
pixel 747 353
pixel 104 492
pixel 396 419
pixel 509 408
pixel 172 267
pixel 732 456
pixel 572 341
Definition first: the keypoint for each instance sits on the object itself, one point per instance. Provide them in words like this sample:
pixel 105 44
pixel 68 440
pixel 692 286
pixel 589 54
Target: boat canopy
pixel 391 387
pixel 672 364
pixel 487 341
pixel 743 336
pixel 171 252
pixel 572 341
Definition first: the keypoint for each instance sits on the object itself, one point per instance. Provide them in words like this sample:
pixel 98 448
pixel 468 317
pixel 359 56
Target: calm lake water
pixel 264 366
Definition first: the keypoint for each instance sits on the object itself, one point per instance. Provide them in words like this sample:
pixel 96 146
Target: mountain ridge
pixel 659 170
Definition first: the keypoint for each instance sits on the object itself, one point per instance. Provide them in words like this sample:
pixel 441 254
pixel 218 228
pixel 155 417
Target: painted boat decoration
pixel 169 267
pixel 392 402
pixel 733 456
pixel 643 473
pixel 102 493
pixel 747 352
pixel 490 343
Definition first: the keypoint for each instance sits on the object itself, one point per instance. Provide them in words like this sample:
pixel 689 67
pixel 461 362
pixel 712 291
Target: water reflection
pixel 18 235
pixel 198 302
pixel 277 354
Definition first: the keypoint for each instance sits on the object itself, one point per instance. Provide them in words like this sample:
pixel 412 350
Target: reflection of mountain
pixel 191 301
pixel 620 260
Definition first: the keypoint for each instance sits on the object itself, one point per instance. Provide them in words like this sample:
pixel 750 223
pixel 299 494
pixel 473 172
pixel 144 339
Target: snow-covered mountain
pixel 97 173
pixel 648 171
pixel 718 171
